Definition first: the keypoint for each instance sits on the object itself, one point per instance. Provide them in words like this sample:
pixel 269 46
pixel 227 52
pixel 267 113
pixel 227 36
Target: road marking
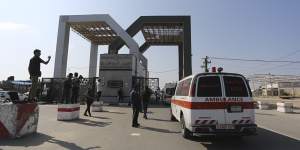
pixel 135 134
pixel 292 137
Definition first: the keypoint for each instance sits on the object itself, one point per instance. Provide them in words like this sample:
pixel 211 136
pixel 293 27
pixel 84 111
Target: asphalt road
pixel 111 130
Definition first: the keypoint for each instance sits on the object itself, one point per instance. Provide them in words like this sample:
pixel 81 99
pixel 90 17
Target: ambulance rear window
pixel 235 87
pixel 209 87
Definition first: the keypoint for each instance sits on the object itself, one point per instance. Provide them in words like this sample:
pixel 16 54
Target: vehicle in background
pixel 214 103
pixel 23 97
pixel 167 92
pixel 11 96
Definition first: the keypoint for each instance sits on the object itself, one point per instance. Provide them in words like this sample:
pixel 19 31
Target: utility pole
pixel 205 64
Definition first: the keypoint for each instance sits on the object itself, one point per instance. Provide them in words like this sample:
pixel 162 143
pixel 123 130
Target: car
pixel 23 97
pixel 10 96
pixel 168 92
pixel 214 104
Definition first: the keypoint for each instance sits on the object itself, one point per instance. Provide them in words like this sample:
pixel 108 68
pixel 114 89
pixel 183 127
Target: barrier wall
pixel 263 105
pixel 97 106
pixel 68 111
pixel 17 120
pixel 285 107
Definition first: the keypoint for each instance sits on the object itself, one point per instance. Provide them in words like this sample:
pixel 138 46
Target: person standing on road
pixel 136 104
pixel 35 72
pixel 120 95
pixel 67 92
pixel 75 88
pixel 146 97
pixel 99 90
pixel 89 101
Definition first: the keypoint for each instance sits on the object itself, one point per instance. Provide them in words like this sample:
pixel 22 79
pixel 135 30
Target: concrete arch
pixel 159 23
pixel 65 23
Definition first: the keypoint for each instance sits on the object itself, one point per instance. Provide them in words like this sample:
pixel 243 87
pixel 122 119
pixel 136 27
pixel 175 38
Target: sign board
pixel 118 62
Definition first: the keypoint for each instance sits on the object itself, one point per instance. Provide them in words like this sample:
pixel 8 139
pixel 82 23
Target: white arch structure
pixel 65 23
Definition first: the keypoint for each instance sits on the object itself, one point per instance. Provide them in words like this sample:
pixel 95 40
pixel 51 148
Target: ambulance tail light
pixel 213 69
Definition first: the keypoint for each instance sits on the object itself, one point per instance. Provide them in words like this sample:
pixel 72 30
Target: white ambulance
pixel 213 104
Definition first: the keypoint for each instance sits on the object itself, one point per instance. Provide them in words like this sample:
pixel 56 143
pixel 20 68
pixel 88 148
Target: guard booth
pixel 117 73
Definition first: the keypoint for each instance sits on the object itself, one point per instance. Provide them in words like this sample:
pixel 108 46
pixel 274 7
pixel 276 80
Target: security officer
pixel 146 98
pixel 75 88
pixel 136 106
pixel 67 91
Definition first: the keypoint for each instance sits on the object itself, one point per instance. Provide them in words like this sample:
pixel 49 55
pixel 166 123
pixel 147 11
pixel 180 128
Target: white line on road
pixel 135 134
pixel 292 137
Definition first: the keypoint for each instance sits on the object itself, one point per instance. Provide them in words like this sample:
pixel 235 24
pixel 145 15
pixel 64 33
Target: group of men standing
pixel 71 88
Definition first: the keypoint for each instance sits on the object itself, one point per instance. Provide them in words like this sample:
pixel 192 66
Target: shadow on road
pixel 265 140
pixel 39 139
pixel 91 123
pixel 264 114
pixel 294 113
pixel 100 117
pixel 114 112
pixel 158 130
pixel 157 119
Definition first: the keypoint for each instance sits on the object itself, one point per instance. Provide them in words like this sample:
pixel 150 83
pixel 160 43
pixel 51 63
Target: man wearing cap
pixel 35 72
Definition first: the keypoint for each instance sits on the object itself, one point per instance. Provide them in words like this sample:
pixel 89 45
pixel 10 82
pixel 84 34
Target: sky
pixel 245 29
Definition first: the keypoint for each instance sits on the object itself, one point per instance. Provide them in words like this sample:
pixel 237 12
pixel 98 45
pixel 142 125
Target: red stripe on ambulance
pixel 211 105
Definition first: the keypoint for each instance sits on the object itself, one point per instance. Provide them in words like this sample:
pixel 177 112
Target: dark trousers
pixel 135 116
pixel 88 108
pixel 145 107
pixel 67 96
pixel 120 98
pixel 75 93
pixel 34 86
pixel 98 96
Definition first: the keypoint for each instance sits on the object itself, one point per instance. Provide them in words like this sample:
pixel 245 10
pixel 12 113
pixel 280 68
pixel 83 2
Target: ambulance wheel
pixel 184 131
pixel 172 118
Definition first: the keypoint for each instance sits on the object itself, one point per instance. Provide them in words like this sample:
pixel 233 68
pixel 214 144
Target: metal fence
pixel 152 83
pixel 52 89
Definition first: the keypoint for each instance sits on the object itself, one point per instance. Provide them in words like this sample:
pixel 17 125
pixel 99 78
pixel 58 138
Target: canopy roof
pixel 163 32
pixel 98 33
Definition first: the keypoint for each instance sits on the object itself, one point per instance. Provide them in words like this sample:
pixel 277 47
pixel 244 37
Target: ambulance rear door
pixel 239 108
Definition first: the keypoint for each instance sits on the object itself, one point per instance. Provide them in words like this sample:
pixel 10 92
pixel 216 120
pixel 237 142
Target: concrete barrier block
pixel 285 107
pixel 17 120
pixel 68 112
pixel 97 106
pixel 263 105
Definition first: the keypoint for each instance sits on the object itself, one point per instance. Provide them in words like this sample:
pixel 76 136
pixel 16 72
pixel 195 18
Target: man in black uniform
pixel 146 98
pixel 136 104
pixel 120 95
pixel 75 88
pixel 89 101
pixel 68 89
pixel 35 72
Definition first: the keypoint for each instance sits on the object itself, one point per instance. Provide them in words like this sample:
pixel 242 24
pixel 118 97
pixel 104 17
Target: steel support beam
pixel 62 45
pixel 180 61
pixel 187 55
pixel 93 60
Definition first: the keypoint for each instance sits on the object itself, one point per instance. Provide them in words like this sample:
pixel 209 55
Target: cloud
pixel 12 26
